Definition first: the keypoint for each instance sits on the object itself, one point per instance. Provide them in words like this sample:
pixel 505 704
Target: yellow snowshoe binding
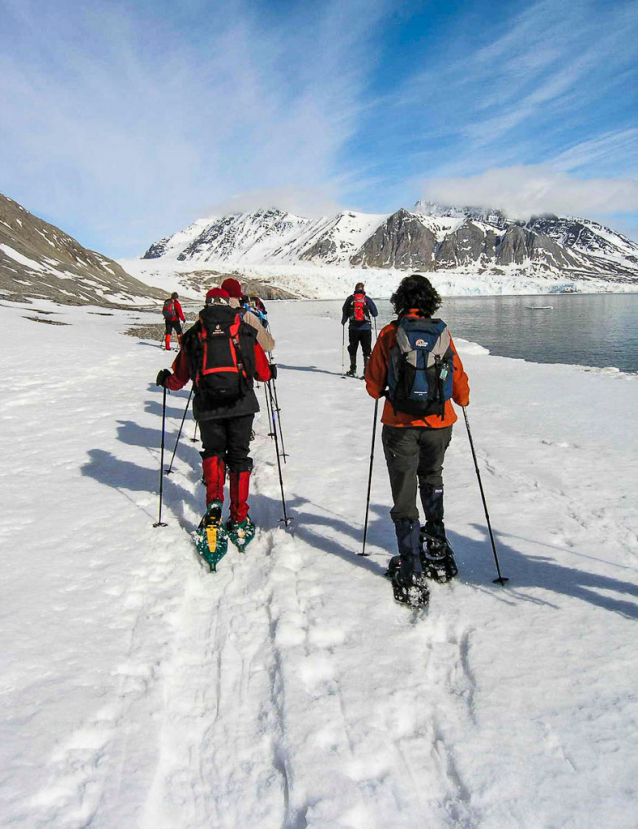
pixel 210 537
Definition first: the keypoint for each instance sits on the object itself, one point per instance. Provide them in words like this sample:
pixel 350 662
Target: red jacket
pixel 177 312
pixel 377 380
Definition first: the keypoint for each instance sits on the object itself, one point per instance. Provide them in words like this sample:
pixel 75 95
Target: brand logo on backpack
pixel 420 371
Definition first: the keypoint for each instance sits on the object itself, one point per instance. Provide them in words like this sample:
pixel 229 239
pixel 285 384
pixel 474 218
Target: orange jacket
pixel 377 379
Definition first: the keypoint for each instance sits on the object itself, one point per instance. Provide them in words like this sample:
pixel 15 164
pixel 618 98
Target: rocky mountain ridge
pixel 428 238
pixel 40 261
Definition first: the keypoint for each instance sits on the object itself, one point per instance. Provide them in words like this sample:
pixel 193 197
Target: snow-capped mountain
pixel 429 238
pixel 40 261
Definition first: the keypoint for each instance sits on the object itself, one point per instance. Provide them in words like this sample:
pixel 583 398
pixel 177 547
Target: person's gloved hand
pixel 273 371
pixel 162 377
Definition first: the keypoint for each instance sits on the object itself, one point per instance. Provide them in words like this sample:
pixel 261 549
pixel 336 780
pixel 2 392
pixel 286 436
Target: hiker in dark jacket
pixel 234 359
pixel 173 313
pixel 357 310
pixel 416 437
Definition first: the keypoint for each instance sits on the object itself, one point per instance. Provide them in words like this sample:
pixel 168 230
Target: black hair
pixel 174 295
pixel 416 291
pixel 360 288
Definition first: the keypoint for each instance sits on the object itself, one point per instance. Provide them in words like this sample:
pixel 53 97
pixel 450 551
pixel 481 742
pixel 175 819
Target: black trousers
pixel 229 439
pixel 170 324
pixel 356 336
pixel 414 455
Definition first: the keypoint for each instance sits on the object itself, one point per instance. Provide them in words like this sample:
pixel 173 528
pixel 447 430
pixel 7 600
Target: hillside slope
pixel 40 261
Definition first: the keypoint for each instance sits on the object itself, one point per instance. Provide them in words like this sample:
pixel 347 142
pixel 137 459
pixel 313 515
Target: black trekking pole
pixel 179 434
pixel 285 519
pixel 194 438
pixel 374 434
pixel 343 350
pixel 271 434
pixel 278 410
pixel 501 579
pixel 159 522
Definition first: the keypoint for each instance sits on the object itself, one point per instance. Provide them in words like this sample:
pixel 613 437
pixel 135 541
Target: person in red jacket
pixel 414 445
pixel 220 353
pixel 173 313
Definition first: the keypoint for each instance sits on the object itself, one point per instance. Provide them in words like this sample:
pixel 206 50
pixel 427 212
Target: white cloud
pixel 522 191
pixel 310 202
pixel 127 120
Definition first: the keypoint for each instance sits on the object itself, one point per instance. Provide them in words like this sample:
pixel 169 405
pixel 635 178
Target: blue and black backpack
pixel 420 373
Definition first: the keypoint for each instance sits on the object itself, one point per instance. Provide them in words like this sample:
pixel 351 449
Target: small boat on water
pixel 540 307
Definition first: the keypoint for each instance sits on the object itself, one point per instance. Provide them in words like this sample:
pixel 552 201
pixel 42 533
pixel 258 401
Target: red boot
pixel 214 476
pixel 239 488
pixel 167 342
pixel 179 340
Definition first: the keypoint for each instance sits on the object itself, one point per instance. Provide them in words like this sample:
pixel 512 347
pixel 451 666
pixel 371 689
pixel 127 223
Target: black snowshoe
pixel 411 591
pixel 437 559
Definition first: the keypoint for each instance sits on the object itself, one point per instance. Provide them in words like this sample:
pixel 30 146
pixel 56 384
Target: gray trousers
pixel 414 454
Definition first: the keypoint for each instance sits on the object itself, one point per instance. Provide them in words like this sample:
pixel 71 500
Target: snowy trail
pixel 288 690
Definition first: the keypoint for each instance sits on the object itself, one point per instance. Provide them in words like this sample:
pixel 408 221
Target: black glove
pixel 273 371
pixel 162 377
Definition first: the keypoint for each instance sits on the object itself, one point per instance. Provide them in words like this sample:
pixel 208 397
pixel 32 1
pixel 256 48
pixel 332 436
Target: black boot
pixel 353 366
pixel 408 581
pixel 436 554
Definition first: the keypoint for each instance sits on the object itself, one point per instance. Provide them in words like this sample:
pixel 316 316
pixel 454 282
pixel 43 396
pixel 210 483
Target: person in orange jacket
pixel 415 441
pixel 173 313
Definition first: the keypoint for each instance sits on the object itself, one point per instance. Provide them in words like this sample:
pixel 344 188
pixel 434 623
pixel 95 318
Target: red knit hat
pixel 232 287
pixel 217 292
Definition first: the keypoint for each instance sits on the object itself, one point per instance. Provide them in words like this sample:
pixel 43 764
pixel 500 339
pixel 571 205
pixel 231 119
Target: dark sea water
pixel 582 329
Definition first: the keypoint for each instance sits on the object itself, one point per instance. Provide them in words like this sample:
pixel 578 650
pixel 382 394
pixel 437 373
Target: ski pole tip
pixel 501 580
pixel 160 524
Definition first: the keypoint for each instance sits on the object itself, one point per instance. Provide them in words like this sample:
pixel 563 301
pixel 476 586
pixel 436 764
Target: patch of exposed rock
pixel 400 242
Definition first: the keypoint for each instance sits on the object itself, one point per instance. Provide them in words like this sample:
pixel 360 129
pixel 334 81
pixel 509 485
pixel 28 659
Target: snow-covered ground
pixel 288 689
pixel 336 282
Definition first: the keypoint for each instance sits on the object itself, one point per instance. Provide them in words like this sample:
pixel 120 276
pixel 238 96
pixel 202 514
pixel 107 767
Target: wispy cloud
pixel 123 120
pixel 133 116
pixel 544 79
pixel 526 190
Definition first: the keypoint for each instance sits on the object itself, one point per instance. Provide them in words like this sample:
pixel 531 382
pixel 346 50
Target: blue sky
pixel 124 121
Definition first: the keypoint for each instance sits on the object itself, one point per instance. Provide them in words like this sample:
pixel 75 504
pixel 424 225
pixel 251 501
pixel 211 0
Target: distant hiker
pixel 254 304
pixel 173 313
pixel 357 310
pixel 220 353
pixel 233 288
pixel 416 367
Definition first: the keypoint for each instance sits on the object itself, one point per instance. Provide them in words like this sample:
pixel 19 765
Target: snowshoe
pixel 412 591
pixel 241 533
pixel 437 559
pixel 210 537
pixel 351 372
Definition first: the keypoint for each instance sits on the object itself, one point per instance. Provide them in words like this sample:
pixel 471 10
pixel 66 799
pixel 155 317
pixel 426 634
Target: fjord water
pixel 598 330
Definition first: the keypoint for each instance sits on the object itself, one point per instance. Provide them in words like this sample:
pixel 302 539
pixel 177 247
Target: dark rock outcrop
pixel 400 242
pixel 465 246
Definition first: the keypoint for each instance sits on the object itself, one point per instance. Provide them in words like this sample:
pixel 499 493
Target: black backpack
pixel 221 351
